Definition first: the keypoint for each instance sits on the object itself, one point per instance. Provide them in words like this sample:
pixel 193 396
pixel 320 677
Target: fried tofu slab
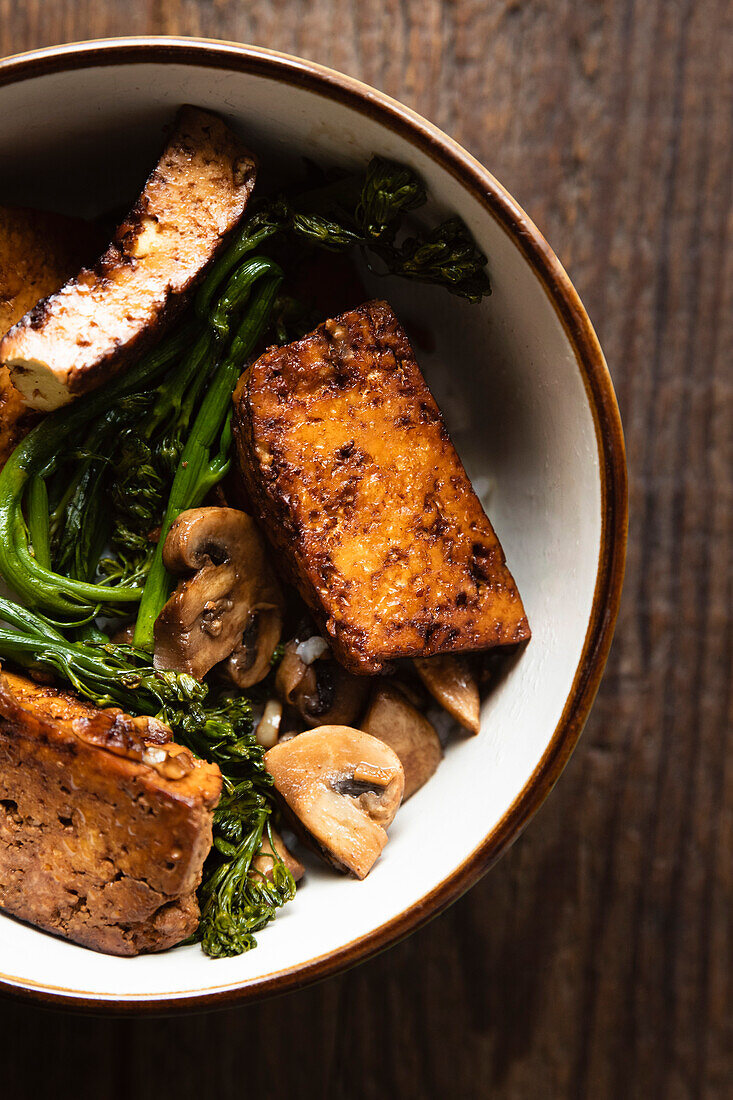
pixel 354 477
pixel 39 251
pixel 104 822
pixel 82 335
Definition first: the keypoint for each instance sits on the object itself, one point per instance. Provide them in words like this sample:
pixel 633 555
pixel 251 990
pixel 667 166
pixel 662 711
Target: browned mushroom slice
pixel 395 721
pixel 230 583
pixel 343 788
pixel 264 861
pixel 451 682
pixel 322 692
pixel 250 661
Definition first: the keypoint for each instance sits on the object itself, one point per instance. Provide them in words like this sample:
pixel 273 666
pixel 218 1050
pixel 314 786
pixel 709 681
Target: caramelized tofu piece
pixel 104 823
pixel 356 482
pixel 38 253
pixel 84 334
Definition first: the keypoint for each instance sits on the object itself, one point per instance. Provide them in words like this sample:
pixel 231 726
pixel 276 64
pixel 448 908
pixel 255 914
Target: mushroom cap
pixel 343 787
pixel 230 581
pixel 322 692
pixel 451 682
pixel 394 720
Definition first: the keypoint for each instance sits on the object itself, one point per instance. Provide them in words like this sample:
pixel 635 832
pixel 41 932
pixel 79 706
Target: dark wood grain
pixel 597 959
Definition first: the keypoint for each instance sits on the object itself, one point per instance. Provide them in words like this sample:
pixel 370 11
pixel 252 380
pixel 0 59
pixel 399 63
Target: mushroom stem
pixel 268 726
pixel 451 682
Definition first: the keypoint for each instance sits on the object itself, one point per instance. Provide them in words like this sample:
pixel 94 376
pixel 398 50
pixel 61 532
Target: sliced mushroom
pixel 322 692
pixel 343 788
pixel 451 682
pixel 264 861
pixel 229 595
pixel 395 721
pixel 250 661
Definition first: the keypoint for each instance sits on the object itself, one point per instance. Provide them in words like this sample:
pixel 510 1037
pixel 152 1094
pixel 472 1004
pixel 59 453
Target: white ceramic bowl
pixel 528 399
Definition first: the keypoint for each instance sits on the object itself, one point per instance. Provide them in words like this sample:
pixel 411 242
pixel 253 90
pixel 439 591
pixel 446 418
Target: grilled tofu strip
pixel 104 824
pixel 38 253
pixel 353 475
pixel 84 334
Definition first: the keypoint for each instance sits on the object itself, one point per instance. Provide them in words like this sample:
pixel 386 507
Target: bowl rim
pixel 499 204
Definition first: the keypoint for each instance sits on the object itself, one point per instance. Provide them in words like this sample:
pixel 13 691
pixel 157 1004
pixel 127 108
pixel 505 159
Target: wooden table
pixel 596 960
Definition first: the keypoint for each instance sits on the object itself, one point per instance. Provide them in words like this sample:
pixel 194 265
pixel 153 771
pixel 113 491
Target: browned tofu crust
pixel 354 477
pixel 84 333
pixel 104 824
pixel 38 253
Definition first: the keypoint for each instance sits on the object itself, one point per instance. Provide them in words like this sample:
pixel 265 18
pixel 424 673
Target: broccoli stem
pixel 190 374
pixel 27 622
pixel 147 457
pixel 197 472
pixel 86 519
pixel 38 528
pixel 237 293
pixel 255 232
pixel 106 674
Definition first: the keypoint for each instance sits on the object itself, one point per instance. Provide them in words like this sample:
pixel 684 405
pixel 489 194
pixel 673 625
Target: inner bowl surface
pixel 526 395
